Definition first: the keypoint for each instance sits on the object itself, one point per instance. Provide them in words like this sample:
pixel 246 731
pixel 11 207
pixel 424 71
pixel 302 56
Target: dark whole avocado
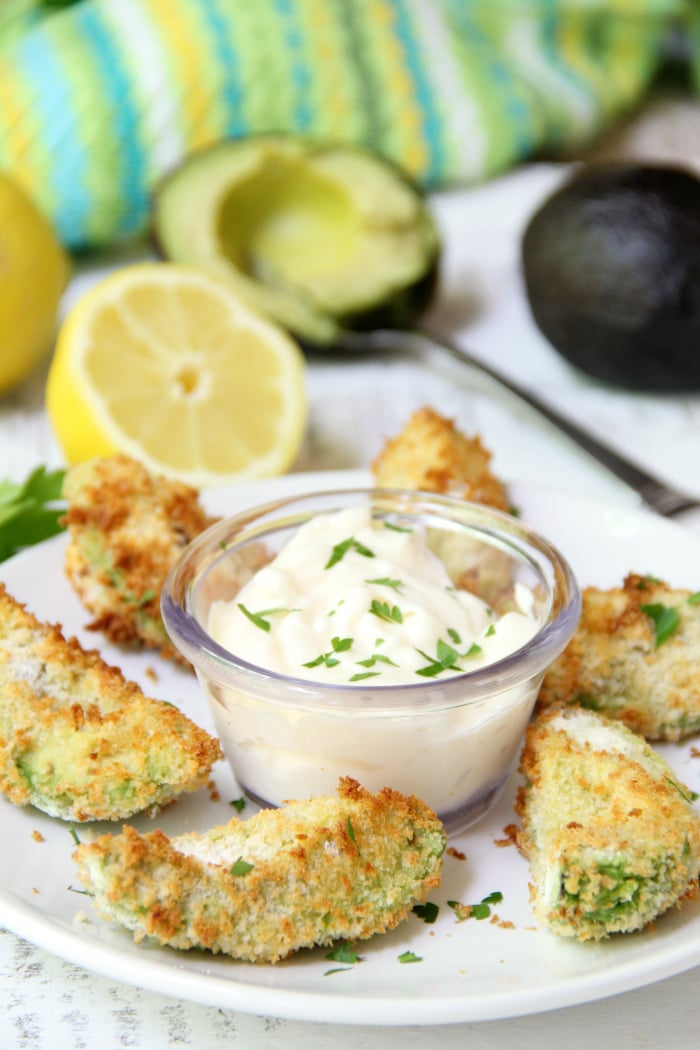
pixel 321 237
pixel 611 265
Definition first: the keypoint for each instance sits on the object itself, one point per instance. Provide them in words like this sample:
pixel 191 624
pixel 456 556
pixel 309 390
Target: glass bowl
pixel 451 739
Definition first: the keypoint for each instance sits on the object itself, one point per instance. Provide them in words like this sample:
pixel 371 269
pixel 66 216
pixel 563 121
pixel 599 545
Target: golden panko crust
pixel 432 455
pixel 126 529
pixel 615 664
pixel 259 889
pixel 611 835
pixel 79 741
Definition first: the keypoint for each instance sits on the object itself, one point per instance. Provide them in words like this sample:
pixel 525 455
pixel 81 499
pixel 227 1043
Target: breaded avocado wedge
pixel 306 874
pixel 80 742
pixel 634 656
pixel 610 832
pixel 126 528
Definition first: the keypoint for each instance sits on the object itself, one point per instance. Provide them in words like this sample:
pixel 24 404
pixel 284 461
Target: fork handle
pixel 655 493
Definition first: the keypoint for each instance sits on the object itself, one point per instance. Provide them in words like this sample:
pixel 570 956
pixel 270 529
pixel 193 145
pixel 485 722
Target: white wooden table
pixel 49 1004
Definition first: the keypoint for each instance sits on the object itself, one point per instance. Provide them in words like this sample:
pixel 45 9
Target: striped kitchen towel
pixel 99 98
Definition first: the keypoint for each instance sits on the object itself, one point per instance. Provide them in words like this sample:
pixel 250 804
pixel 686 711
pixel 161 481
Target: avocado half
pixel 611 264
pixel 320 237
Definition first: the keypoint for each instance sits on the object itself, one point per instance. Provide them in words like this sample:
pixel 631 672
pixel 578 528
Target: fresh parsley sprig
pixel 28 513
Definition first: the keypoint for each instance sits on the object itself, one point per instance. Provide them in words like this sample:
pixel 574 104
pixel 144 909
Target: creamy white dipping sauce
pixel 350 601
pixel 323 611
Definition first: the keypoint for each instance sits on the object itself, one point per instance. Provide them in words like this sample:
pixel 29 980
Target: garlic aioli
pixel 350 601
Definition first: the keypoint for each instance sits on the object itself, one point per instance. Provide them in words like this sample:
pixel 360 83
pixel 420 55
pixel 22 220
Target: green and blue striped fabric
pixel 99 98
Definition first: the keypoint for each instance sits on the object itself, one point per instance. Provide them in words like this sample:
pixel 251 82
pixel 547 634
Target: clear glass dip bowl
pixel 450 740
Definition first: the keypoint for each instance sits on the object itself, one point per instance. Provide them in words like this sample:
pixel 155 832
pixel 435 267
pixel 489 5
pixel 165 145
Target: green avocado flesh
pixel 318 237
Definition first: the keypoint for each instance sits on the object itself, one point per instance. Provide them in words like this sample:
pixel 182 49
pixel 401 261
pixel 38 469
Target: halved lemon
pixel 166 364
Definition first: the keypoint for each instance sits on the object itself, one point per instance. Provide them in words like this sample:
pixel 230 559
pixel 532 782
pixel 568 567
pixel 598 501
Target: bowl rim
pixel 213 660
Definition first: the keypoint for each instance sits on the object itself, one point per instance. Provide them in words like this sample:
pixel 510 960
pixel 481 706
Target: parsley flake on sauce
pixel 341 549
pixel 389 613
pixel 376 658
pixel 445 659
pixel 386 581
pixel 260 618
pixel 409 957
pixel 338 645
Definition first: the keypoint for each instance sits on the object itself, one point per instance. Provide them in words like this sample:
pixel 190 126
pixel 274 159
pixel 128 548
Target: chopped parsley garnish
pixel 344 953
pixel 666 620
pixel 376 658
pixel 74 834
pixel 454 635
pixel 409 957
pixel 445 659
pixel 351 832
pixel 386 581
pixel 428 912
pixel 238 804
pixel 396 528
pixel 361 675
pixel 694 599
pixel 482 910
pixel 338 645
pixel 241 867
pixel 259 618
pixel 341 549
pixel 390 613
pixel 74 889
pixel 490 630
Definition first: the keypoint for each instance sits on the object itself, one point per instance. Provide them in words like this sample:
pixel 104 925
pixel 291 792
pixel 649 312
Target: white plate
pixel 473 970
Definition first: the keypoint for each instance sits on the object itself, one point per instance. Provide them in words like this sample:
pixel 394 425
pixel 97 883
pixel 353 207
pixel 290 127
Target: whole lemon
pixel 34 271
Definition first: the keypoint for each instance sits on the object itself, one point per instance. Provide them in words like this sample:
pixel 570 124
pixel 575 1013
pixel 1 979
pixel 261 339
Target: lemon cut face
pixel 166 364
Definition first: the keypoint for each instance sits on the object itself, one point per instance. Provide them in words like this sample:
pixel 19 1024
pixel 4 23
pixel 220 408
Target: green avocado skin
pixel 611 266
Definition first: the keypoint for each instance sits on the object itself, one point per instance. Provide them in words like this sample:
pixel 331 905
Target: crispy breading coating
pixel 614 664
pixel 432 455
pixel 258 889
pixel 610 832
pixel 77 740
pixel 126 529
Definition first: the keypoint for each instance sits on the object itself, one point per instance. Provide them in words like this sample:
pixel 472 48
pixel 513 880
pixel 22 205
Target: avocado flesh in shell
pixel 611 264
pixel 318 237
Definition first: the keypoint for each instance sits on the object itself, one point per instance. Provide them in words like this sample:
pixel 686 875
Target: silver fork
pixel 655 494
